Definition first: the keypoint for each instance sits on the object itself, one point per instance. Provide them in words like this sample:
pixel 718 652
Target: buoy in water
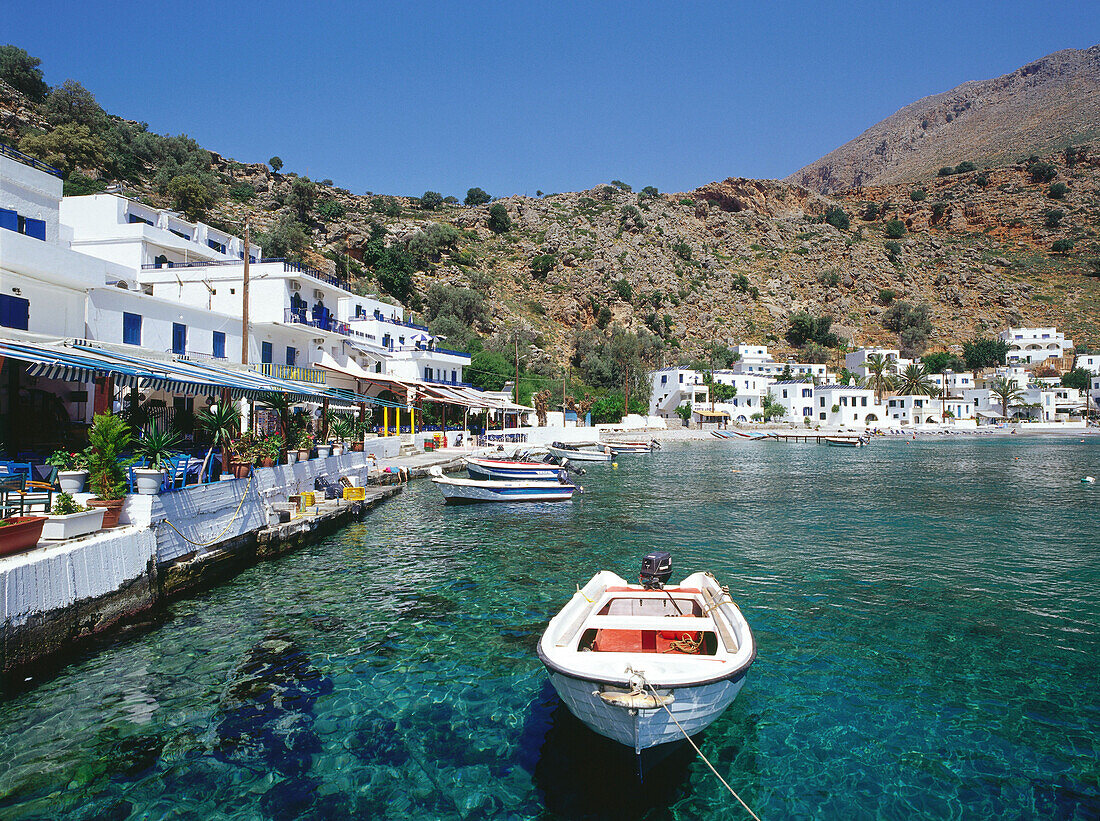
pixel 1089 480
pixel 614 465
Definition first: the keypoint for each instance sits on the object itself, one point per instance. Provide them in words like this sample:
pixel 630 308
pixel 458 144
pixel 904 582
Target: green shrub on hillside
pixel 543 264
pixel 837 217
pixel 918 195
pixel 895 229
pixel 191 195
pixel 1054 217
pixel 276 164
pixel 21 71
pixel 242 192
pixel 477 196
pixel 1062 246
pixel 499 222
pixel 682 250
pixel 330 209
pixel 66 148
pixel 431 201
pixel 1041 171
pixel 1057 191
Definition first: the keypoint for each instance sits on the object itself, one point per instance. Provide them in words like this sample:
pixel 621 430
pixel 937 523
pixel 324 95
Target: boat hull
pixel 694 707
pixel 580 455
pixel 456 492
pixel 510 472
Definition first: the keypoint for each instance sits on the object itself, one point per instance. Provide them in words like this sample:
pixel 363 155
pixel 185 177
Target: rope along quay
pixel 229 524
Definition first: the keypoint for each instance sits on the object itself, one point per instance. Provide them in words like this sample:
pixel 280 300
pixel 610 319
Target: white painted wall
pixel 32 193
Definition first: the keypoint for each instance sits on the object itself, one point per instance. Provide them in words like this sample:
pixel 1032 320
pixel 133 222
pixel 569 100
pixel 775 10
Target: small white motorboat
pixel 508 470
pixel 462 491
pixel 582 452
pixel 628 659
pixel 843 442
pixel 633 447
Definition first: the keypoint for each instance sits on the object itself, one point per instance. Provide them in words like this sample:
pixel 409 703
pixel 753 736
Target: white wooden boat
pixel 619 654
pixel 463 491
pixel 508 470
pixel 841 442
pixel 632 447
pixel 579 453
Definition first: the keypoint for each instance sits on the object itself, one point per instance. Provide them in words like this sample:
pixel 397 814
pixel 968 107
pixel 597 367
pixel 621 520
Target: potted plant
pixel 304 443
pixel 359 430
pixel 67 519
pixel 107 439
pixel 20 533
pixel 270 450
pixel 244 455
pixel 156 446
pixel 72 470
pixel 342 430
pixel 222 423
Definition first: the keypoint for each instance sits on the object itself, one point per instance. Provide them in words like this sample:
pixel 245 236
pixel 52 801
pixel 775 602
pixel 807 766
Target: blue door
pixel 265 352
pixel 179 339
pixel 219 345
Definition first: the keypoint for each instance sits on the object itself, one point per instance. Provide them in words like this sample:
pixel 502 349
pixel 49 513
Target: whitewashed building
pixel 751 390
pixel 1032 345
pixel 856 361
pixel 756 360
pixel 672 387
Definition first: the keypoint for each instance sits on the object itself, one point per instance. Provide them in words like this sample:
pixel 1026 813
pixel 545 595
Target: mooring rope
pixel 227 526
pixel 706 760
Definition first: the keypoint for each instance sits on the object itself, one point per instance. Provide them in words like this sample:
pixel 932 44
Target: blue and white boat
pixel 509 471
pixel 465 491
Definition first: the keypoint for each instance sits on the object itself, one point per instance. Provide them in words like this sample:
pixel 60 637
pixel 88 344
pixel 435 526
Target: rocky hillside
pixel 730 261
pixel 1038 109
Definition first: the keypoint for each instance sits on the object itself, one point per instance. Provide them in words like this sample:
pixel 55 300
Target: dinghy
pixel 841 442
pixel 581 453
pixel 643 664
pixel 633 447
pixel 507 470
pixel 462 491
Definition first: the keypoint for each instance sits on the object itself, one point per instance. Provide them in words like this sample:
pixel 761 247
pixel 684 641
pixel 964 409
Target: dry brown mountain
pixel 730 261
pixel 1038 109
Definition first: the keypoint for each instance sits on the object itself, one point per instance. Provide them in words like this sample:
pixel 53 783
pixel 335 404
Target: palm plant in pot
pixel 72 469
pixel 222 423
pixel 157 446
pixel 342 430
pixel 108 438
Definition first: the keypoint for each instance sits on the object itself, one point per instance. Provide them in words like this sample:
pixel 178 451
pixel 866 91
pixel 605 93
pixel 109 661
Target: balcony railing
pixel 290 317
pixel 18 155
pixel 312 376
pixel 288 267
pixel 451 383
pixel 378 315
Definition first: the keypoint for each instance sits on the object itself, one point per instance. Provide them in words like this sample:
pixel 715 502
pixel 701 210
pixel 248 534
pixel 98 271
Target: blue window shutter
pixel 219 345
pixel 9 220
pixel 179 338
pixel 15 312
pixel 35 228
pixel 265 353
pixel 291 356
pixel 131 329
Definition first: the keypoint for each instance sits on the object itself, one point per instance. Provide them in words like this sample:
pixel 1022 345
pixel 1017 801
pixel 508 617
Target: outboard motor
pixel 656 570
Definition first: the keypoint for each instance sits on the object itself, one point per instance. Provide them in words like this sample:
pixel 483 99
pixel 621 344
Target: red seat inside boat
pixel 647 641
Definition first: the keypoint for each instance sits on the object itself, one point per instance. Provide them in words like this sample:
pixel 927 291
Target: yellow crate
pixel 355 494
pixel 309 499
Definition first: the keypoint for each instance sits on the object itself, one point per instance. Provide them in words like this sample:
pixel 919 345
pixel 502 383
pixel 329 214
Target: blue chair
pixel 130 474
pixel 176 473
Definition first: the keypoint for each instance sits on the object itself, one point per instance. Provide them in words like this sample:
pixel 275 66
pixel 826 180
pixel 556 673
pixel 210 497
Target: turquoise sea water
pixel 927 615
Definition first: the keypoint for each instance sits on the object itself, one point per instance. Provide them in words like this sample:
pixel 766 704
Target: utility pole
pixel 244 298
pixel 517 369
pixel 564 387
pixel 626 389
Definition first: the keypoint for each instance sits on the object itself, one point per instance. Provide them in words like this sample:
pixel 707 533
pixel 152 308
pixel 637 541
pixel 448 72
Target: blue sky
pixel 517 97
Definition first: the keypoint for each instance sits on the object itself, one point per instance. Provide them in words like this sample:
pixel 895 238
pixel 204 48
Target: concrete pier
pixel 58 596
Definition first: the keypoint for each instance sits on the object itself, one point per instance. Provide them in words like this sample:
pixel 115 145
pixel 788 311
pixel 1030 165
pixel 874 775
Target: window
pixel 291 356
pixel 664 379
pixel 784 393
pixel 179 338
pixel 428 374
pixel 807 412
pixel 806 392
pixel 131 329
pixel 821 415
pixel 863 401
pixel 821 402
pixel 217 246
pixel 844 401
pixel 454 376
pixel 219 345
pixel 265 353
pixel 15 312
pixel 681 379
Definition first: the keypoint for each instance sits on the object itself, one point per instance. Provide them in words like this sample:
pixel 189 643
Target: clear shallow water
pixel 927 619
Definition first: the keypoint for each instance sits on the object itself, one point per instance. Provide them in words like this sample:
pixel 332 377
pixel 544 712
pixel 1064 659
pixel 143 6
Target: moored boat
pixel 841 442
pixel 462 491
pixel 508 470
pixel 581 453
pixel 633 447
pixel 628 659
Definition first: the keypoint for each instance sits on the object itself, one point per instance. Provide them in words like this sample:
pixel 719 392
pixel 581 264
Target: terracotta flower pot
pixel 114 510
pixel 356 447
pixel 267 462
pixel 303 454
pixel 20 533
pixel 241 470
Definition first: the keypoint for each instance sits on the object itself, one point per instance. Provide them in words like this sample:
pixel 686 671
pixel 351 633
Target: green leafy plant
pixel 68 460
pixel 341 428
pixel 895 229
pixel 222 422
pixel 157 445
pixel 65 505
pixel 108 438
